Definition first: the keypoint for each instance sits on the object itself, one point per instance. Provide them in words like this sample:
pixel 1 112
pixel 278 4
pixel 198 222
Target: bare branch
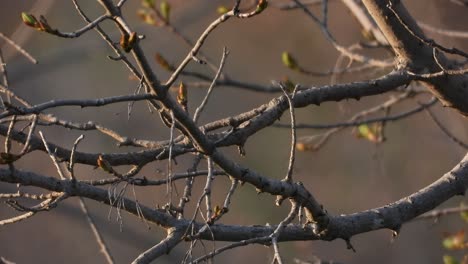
pixel 173 238
pixel 210 89
pixel 18 48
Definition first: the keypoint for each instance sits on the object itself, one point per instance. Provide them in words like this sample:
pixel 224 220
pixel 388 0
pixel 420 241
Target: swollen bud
pixel 288 84
pixel 127 41
pixel 222 10
pixel 289 61
pixel 29 19
pixel 132 39
pixel 367 132
pixel 262 4
pixel 146 17
pixel 182 96
pixel 104 165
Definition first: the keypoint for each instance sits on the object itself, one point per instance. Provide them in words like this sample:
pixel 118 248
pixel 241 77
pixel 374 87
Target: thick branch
pixel 391 216
pixel 419 54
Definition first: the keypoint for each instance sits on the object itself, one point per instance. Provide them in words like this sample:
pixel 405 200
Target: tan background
pixel 347 175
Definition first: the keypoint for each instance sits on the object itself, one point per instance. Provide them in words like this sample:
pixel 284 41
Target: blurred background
pixel 347 175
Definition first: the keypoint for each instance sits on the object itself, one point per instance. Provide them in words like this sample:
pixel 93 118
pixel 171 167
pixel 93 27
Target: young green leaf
pixel 29 19
pixel 262 5
pixel 222 10
pixel 289 61
pixel 165 9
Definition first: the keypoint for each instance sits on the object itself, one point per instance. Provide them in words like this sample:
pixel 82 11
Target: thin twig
pixel 188 185
pixel 213 83
pixel 444 32
pixel 353 121
pixel 3 71
pixel 30 133
pixel 8 136
pixel 80 31
pixel 435 214
pixel 207 189
pixel 102 245
pixel 389 118
pixel 76 102
pixel 16 218
pixel 52 157
pixel 72 156
pixel 258 240
pixel 164 247
pixel 169 161
pixel 343 50
pixel 428 42
pixel 445 130
pixel 18 48
pixel 292 155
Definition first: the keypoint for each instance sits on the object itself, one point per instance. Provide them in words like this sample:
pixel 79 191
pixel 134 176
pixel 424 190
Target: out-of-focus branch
pixel 443 32
pixel 18 48
pixel 366 21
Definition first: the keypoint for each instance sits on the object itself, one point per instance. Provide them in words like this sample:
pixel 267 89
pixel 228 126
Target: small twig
pixel 292 155
pixel 109 41
pixel 207 189
pixel 343 50
pixel 188 185
pixel 259 240
pixel 48 120
pixel 52 157
pixel 3 260
pixel 16 218
pixel 389 118
pixel 77 102
pixel 18 48
pixel 12 94
pixel 428 42
pixel 276 256
pixel 315 260
pixel 353 121
pixel 206 195
pixel 169 161
pixel 442 212
pixel 288 6
pixel 31 196
pixel 193 52
pixel 213 83
pixel 102 245
pixel 445 130
pixel 227 200
pixel 81 31
pixel 43 206
pixel 30 133
pixel 137 91
pixel 72 156
pixel 3 71
pixel 444 32
pixel 8 137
